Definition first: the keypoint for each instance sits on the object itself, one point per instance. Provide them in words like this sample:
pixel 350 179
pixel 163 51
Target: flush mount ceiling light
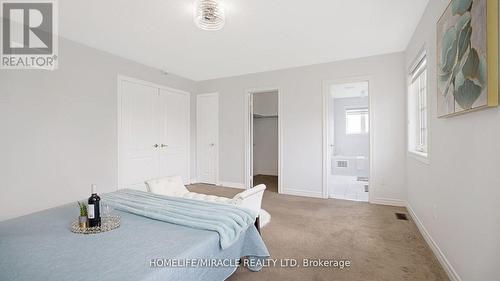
pixel 209 14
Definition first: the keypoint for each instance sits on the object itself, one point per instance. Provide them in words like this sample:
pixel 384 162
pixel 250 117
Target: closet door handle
pixel 156 145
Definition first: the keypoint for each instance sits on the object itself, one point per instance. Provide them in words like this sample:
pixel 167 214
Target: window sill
pixel 422 157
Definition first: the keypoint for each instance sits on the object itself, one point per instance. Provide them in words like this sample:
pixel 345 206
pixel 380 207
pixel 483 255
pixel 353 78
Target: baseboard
pixel 304 193
pixel 239 185
pixel 448 268
pixel 388 202
pixel 193 181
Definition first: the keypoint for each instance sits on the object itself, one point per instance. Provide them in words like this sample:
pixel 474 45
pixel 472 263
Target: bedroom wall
pixel 455 198
pixel 58 128
pixel 302 118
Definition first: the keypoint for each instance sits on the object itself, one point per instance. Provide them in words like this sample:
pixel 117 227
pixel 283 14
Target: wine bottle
pixel 94 213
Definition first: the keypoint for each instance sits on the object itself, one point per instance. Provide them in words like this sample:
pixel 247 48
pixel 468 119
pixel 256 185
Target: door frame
pixel 217 178
pixel 121 78
pixel 326 91
pixel 249 135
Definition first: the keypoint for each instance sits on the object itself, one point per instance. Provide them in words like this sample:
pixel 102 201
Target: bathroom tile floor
pixel 348 188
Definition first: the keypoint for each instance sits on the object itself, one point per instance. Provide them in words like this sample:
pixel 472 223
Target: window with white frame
pixel 417 108
pixel 357 121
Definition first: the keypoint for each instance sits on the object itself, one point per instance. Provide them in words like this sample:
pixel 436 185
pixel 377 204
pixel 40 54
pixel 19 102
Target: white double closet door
pixel 153 133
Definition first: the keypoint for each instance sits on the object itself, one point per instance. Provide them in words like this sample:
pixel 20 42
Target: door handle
pixel 212 144
pixel 155 145
pixel 163 145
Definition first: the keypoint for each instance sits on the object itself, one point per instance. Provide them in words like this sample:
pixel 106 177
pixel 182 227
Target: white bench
pixel 250 198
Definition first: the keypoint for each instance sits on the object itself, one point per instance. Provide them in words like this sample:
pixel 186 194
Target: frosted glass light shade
pixel 209 14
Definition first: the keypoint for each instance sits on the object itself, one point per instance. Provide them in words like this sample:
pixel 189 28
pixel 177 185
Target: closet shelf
pixel 264 116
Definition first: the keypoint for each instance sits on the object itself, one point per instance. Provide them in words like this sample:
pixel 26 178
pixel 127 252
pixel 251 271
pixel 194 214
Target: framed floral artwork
pixel 467 56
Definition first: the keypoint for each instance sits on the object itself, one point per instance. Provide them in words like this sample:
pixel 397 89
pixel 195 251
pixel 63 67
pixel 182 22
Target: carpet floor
pixel 379 246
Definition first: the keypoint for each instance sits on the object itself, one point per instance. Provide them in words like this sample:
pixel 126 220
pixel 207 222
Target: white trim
pixel 239 185
pixel 422 157
pixel 326 87
pixel 422 53
pixel 248 135
pixel 448 268
pixel 217 167
pixel 303 193
pixel 118 130
pixel 388 202
pixel 121 78
pixel 188 141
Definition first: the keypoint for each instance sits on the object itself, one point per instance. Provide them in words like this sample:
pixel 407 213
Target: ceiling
pixel 349 90
pixel 260 35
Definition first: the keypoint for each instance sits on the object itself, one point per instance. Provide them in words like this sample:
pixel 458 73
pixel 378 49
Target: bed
pixel 40 246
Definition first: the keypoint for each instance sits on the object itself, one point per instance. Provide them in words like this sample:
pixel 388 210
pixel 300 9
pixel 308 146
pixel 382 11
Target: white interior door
pixel 207 120
pixel 139 134
pixel 174 134
pixel 331 133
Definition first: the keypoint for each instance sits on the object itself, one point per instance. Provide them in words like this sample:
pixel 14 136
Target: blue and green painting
pixel 461 57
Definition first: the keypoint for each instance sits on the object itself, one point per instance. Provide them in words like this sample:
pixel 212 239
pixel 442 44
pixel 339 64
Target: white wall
pixel 349 145
pixel 265 137
pixel 456 196
pixel 58 128
pixel 302 122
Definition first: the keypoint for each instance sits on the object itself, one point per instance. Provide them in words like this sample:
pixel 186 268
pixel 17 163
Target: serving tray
pixel 107 223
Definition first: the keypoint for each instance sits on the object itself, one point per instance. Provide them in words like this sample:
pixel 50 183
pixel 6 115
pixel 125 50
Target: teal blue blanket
pixel 227 220
pixel 40 246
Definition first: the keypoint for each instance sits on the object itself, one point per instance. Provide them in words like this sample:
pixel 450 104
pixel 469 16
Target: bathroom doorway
pixel 347 108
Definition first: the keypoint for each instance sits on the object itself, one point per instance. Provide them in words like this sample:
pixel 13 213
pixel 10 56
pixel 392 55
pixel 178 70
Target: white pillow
pixel 169 186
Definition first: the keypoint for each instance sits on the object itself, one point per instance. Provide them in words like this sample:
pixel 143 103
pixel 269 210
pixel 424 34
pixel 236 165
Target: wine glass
pixel 106 211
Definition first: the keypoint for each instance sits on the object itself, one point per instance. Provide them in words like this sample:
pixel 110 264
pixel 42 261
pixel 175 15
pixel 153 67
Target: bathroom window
pixel 357 121
pixel 417 109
